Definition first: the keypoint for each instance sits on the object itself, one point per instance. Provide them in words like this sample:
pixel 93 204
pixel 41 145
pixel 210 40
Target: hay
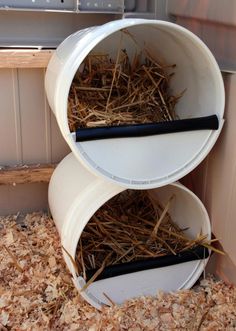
pixel 131 226
pixel 105 92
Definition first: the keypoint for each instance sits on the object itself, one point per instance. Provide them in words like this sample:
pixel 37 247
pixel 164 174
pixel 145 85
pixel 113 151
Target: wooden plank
pixel 24 58
pixel 40 173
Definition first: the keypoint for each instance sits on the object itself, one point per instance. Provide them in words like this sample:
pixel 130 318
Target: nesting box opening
pixel 137 238
pixel 136 47
pixel 131 232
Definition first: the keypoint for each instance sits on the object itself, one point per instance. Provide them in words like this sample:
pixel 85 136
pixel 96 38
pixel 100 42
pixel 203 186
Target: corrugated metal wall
pixel 214 181
pixel 29 133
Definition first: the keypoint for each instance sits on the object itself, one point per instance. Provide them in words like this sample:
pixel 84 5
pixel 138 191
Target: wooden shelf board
pixel 24 58
pixel 40 173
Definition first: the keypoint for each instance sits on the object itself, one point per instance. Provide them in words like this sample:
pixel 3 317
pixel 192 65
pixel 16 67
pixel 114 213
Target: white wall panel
pixel 28 129
pixel 23 198
pixel 32 112
pixel 221 178
pixel 44 29
pixel 10 125
pixel 215 183
pixel 214 21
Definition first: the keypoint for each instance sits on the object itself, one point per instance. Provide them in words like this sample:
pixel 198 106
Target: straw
pixel 132 226
pixel 107 92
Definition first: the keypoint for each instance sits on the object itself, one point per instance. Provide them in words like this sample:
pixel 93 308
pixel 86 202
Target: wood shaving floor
pixel 36 292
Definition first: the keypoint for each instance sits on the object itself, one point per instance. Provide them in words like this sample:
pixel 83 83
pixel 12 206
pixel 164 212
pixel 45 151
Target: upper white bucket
pixel 153 161
pixel 75 195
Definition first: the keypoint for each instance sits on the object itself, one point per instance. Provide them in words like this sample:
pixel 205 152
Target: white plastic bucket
pixel 153 161
pixel 75 195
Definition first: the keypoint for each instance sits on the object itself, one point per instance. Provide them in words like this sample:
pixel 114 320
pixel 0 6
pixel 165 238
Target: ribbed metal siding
pixel 28 130
pixel 214 181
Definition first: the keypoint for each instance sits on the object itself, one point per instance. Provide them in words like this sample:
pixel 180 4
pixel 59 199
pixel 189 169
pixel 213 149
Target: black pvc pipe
pixel 197 253
pixel 139 130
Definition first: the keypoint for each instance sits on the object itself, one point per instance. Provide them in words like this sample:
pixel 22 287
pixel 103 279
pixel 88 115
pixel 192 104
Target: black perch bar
pixel 197 253
pixel 140 130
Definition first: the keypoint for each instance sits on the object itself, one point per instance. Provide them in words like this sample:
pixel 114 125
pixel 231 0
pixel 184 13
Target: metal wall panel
pixel 10 126
pixel 33 120
pixel 23 198
pixel 28 129
pixel 220 195
pixel 204 10
pixel 214 21
pixel 44 29
pixel 214 181
pixel 39 4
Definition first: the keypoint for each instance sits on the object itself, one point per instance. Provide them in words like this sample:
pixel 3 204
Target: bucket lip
pixel 68 71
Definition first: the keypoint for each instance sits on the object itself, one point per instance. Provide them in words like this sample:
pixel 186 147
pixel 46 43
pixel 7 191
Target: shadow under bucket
pixel 75 195
pixel 143 161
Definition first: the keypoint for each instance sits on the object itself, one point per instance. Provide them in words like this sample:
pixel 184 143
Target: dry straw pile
pixel 131 226
pixel 105 92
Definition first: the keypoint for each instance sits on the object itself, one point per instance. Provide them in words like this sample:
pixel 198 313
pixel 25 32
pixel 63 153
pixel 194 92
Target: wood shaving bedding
pixel 36 291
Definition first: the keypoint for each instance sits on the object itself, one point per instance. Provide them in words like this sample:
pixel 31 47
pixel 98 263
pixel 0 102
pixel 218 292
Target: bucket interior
pixel 156 160
pixel 184 210
pixel 195 71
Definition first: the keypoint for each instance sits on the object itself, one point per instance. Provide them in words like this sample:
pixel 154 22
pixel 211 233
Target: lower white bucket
pixel 75 194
